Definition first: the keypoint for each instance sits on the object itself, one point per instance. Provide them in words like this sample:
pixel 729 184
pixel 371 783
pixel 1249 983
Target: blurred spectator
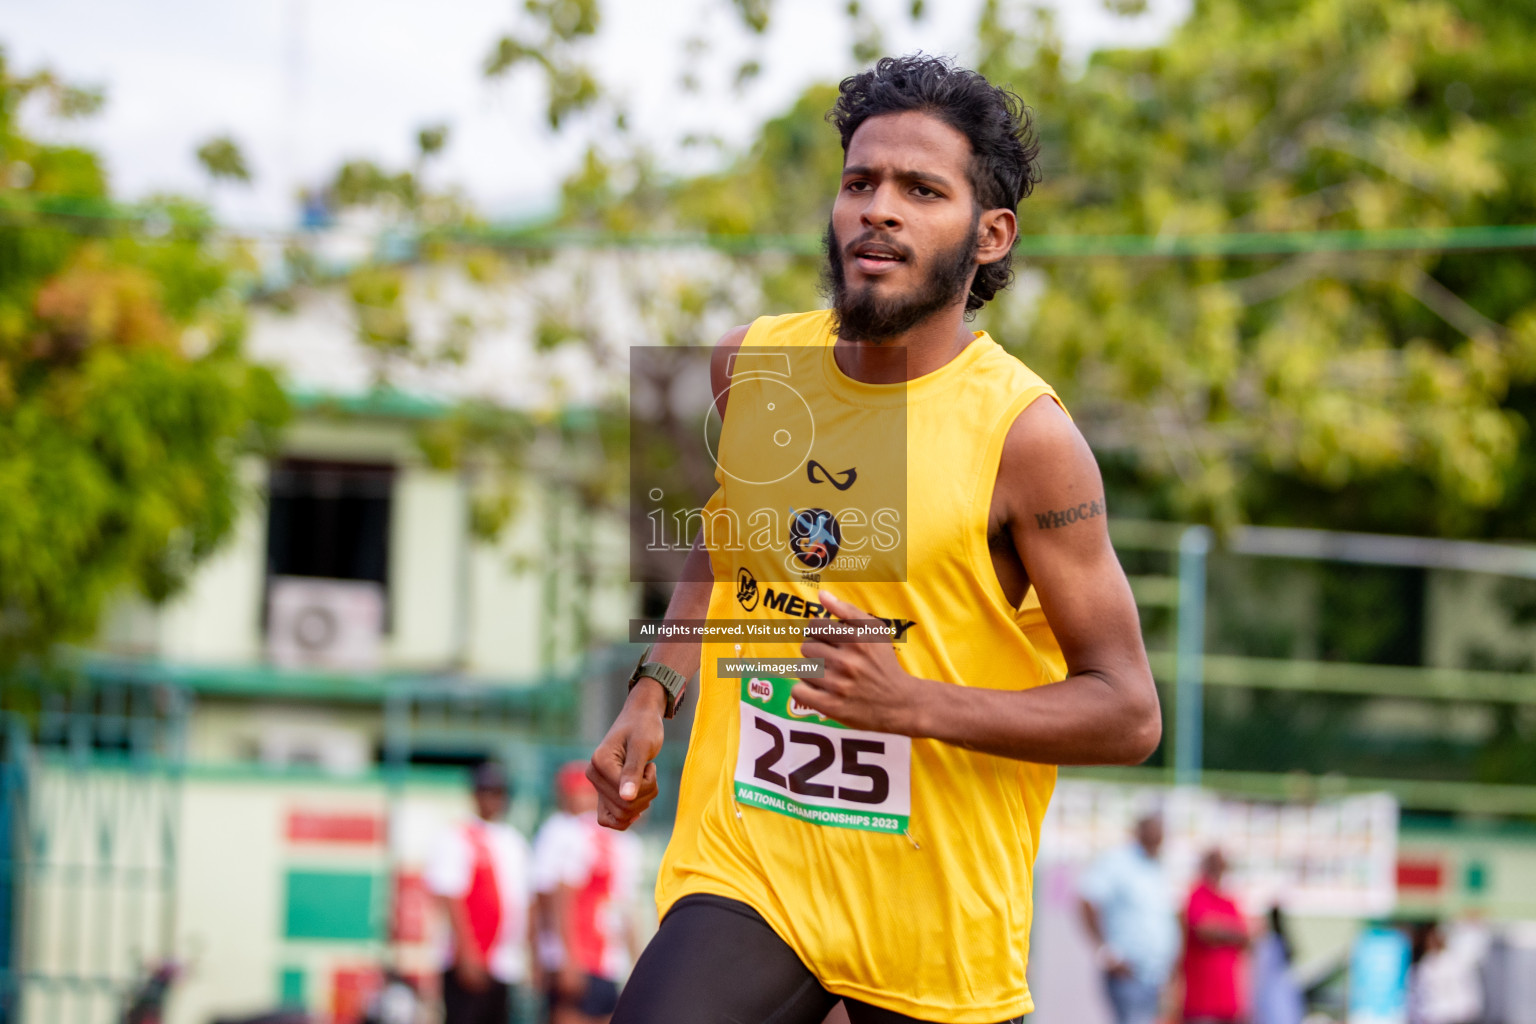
pixel 1128 910
pixel 1445 984
pixel 1214 939
pixel 552 838
pixel 585 876
pixel 1277 997
pixel 395 1002
pixel 479 874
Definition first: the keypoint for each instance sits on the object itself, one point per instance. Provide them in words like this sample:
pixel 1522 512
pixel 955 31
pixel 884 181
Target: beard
pixel 862 315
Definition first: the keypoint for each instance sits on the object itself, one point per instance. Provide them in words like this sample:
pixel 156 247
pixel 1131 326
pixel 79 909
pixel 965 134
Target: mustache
pixel 880 239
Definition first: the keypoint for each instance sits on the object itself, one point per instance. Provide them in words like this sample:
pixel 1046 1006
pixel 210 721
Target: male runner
pixel 892 869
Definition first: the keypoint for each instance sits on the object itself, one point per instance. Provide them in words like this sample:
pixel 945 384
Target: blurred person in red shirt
pixel 1215 941
pixel 586 877
pixel 478 873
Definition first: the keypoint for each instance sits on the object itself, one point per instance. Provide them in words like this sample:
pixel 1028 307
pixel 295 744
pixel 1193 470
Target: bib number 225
pixel 793 761
pixel 802 780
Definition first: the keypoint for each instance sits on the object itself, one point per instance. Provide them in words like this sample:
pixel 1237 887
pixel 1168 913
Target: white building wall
pixel 229 871
pixel 506 588
pixel 319 436
pixel 282 731
pixel 615 600
pixel 526 605
pixel 427 559
pixel 217 619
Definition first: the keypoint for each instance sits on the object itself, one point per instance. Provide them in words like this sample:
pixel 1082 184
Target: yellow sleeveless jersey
pixel 899 870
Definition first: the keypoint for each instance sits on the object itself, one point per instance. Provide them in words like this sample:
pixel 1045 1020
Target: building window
pixel 330 520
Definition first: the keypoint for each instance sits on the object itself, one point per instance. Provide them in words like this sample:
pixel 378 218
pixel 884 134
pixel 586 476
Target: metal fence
pixel 89 816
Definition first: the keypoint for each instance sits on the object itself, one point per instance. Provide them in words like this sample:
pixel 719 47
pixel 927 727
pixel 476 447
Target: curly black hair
pixel 1004 148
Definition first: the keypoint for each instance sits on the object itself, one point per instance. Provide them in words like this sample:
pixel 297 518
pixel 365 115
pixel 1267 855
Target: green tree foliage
pixel 124 399
pixel 551 36
pixel 1386 391
pixel 1340 378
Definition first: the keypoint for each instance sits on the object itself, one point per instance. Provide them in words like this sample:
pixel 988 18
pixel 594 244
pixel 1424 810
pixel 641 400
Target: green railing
pixel 1174 607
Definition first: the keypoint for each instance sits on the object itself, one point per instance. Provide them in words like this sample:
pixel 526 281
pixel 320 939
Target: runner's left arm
pixel 1106 710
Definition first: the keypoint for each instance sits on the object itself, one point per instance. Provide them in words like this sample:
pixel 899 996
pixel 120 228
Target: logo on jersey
pixel 814 537
pixel 746 588
pixel 785 603
pixel 842 481
pixel 760 689
pixel 804 710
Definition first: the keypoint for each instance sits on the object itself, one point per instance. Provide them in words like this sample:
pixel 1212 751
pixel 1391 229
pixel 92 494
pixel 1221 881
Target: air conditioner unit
pixel 336 750
pixel 320 623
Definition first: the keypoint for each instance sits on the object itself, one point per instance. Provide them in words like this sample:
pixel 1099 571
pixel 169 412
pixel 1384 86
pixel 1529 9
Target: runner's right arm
pixel 621 768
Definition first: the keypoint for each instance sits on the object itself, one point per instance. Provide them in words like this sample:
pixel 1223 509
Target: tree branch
pixel 1449 306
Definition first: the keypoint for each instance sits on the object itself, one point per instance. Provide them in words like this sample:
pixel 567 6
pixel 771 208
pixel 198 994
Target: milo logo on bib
pixel 795 761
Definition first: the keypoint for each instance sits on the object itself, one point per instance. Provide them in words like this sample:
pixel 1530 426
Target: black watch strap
pixel 672 681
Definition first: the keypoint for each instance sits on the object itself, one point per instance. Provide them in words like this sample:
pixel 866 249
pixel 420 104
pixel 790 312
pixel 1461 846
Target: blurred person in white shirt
pixel 585 878
pixel 549 843
pixel 1128 911
pixel 478 873
pixel 1445 983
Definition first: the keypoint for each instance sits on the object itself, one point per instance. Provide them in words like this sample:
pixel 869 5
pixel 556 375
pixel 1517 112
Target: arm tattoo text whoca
pixel 1067 516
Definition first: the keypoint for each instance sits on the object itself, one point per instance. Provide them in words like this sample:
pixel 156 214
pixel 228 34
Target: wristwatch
pixel 671 680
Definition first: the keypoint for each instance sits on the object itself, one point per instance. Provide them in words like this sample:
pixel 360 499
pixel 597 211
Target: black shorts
pixel 715 960
pixel 490 1005
pixel 597 999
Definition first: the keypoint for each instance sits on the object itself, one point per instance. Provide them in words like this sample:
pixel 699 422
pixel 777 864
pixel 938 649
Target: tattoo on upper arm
pixel 1067 516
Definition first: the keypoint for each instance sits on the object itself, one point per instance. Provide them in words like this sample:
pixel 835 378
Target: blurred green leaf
pixel 223 160
pixel 754 14
pixel 431 139
pixel 363 183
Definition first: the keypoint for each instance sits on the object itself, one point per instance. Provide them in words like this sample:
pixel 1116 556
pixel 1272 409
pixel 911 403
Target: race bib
pixel 795 761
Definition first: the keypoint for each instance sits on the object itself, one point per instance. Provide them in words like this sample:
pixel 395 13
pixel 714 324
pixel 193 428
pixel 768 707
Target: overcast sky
pixel 305 84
